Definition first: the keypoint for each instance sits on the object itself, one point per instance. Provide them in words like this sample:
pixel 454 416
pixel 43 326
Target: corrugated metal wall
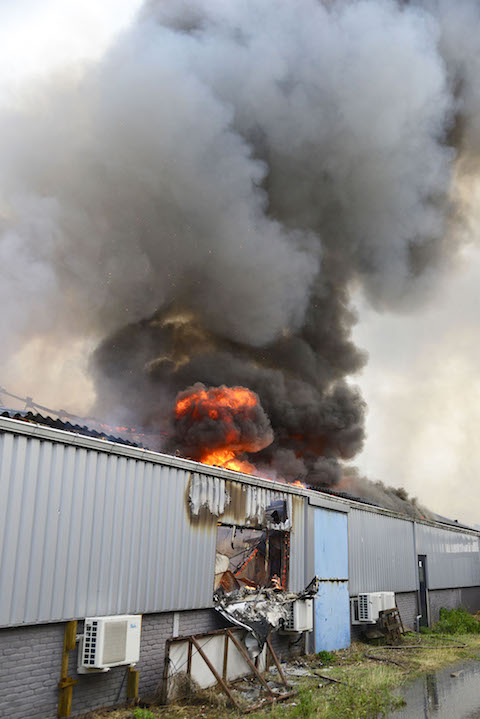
pixel 452 557
pixel 297 575
pixel 86 532
pixel 381 553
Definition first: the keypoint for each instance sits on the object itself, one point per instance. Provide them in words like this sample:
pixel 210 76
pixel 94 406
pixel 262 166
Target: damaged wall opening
pixel 248 557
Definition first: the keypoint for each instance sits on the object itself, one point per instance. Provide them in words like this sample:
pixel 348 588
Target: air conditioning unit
pixel 109 642
pixel 370 604
pixel 300 616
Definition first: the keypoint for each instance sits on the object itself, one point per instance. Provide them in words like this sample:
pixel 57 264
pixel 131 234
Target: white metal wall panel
pixel 86 533
pixel 297 571
pixel 381 553
pixel 453 558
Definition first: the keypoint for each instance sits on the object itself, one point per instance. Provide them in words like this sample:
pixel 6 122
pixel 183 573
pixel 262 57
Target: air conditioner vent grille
pixel 90 643
pixel 115 642
pixel 363 613
pixel 289 622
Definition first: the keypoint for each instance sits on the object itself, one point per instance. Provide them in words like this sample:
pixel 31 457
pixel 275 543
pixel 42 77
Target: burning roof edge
pixel 314 497
pixel 66 426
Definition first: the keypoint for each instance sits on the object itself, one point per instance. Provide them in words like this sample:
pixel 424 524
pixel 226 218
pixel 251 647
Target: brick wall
pixel 407 606
pixel 471 599
pixel 31 657
pixel 200 621
pixel 466 597
pixel 30 660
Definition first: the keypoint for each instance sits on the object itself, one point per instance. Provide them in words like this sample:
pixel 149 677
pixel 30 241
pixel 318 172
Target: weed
pixel 142 714
pixel 456 621
pixel 326 657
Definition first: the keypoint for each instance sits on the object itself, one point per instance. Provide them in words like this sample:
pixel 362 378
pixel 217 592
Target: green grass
pixel 142 714
pixel 367 690
pixel 367 694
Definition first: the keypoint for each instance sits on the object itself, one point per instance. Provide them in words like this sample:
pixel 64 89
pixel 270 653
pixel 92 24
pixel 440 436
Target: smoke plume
pixel 220 418
pixel 205 200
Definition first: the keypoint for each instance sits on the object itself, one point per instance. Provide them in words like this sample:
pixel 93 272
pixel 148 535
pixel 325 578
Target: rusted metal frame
pixel 277 663
pixel 252 666
pixel 217 676
pixel 66 683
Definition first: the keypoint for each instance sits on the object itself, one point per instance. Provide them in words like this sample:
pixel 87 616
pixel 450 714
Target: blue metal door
pixel 332 604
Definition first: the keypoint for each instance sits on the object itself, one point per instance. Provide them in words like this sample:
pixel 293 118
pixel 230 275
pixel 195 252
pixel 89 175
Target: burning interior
pixel 252 558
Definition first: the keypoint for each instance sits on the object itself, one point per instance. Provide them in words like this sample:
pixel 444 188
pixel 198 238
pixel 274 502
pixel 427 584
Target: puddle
pixel 442 696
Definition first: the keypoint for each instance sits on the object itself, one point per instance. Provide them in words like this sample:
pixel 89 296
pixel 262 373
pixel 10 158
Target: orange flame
pixel 227 459
pixel 223 404
pixel 297 483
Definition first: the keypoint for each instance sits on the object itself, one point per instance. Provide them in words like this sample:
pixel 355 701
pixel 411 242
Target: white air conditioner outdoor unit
pixel 370 604
pixel 300 616
pixel 109 642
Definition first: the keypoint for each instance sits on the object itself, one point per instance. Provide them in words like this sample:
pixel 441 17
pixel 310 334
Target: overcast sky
pixel 422 382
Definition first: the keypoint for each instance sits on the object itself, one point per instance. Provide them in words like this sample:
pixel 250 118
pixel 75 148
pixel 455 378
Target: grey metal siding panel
pixel 452 557
pixel 85 533
pixel 297 578
pixel 381 553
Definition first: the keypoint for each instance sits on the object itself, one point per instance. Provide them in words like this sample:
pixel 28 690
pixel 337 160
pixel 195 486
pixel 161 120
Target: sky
pixel 422 381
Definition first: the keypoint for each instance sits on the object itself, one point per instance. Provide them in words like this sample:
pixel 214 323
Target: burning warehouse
pixel 98 535
pixel 191 222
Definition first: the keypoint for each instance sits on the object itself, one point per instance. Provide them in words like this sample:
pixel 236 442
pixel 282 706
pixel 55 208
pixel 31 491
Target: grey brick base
pixel 407 606
pixel 31 657
pixel 466 597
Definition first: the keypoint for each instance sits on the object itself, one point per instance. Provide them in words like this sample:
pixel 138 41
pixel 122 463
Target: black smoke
pixel 204 202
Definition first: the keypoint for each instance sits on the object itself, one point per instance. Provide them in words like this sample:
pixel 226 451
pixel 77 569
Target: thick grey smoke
pixel 206 198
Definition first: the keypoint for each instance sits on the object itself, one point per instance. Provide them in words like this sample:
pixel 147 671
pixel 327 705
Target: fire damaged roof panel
pixel 48 421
